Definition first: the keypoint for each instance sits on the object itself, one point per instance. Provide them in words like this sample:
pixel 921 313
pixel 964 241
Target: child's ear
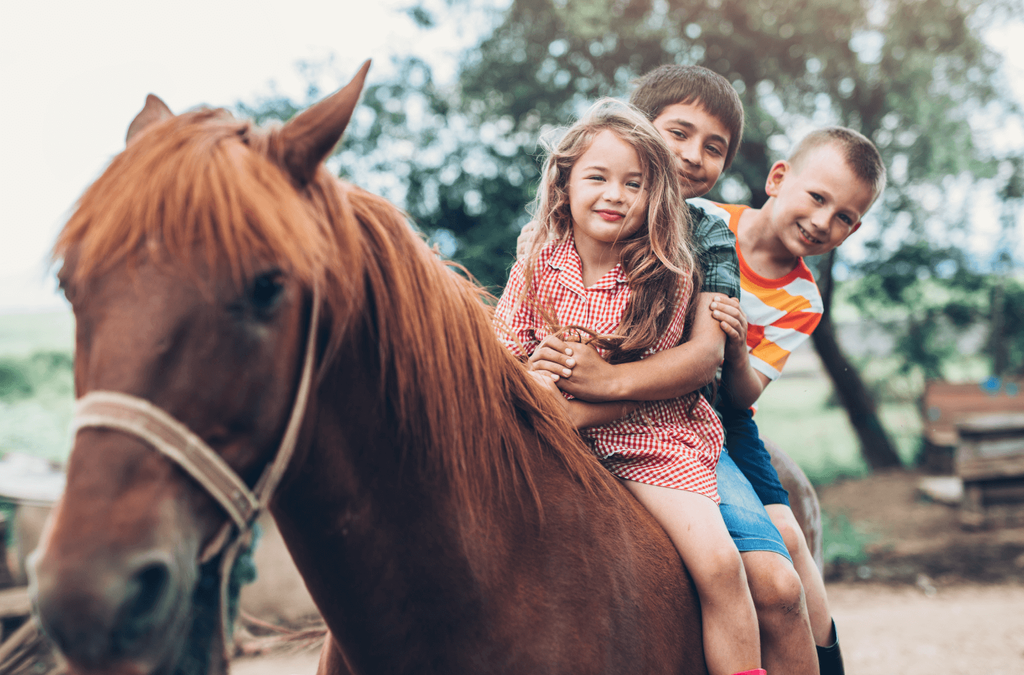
pixel 856 226
pixel 775 177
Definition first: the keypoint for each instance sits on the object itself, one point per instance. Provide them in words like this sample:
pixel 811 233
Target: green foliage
pixel 14 383
pixel 22 377
pixel 912 75
pixel 36 400
pixel 909 74
pixel 844 543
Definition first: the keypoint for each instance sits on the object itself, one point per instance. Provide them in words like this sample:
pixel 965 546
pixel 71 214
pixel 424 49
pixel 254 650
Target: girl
pixel 618 261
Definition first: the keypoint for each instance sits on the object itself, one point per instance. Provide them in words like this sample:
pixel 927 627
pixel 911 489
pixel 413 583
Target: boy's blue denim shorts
pixel 743 513
pixel 749 454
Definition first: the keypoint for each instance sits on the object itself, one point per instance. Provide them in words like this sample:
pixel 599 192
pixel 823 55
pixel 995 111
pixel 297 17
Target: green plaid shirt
pixel 715 247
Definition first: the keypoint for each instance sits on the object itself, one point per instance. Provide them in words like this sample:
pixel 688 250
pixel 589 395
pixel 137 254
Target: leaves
pixel 913 75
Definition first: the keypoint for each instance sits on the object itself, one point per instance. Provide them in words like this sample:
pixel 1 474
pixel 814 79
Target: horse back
pixel 594 585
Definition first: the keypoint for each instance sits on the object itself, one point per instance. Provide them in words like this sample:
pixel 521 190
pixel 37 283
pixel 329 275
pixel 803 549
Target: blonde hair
pixel 658 256
pixel 860 153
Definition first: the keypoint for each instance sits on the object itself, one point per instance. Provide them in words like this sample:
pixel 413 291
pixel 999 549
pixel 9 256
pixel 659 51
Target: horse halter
pixel 138 417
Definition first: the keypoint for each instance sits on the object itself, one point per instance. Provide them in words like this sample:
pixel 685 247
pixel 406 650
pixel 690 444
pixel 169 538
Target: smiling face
pixel 699 140
pixel 607 198
pixel 817 203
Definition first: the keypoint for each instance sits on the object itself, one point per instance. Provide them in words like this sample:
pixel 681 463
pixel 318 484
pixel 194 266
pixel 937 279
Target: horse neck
pixel 368 531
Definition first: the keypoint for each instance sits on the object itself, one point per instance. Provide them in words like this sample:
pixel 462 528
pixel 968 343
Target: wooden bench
pixel 990 461
pixel 945 405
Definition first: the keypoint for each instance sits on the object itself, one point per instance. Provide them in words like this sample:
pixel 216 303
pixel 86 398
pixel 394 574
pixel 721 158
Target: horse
pixel 252 331
pixel 443 516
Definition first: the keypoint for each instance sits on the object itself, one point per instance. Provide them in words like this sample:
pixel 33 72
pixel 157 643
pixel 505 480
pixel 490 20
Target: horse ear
pixel 154 111
pixel 309 137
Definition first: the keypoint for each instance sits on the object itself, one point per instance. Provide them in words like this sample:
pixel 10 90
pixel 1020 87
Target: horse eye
pixel 266 290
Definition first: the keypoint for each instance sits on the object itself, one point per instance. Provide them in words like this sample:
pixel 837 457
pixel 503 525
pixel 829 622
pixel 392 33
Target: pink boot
pixel 755 671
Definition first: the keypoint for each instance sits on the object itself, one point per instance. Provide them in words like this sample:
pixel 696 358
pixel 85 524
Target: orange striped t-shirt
pixel 781 313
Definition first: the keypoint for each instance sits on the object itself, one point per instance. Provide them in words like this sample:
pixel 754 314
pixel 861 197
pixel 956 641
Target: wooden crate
pixel 990 461
pixel 944 405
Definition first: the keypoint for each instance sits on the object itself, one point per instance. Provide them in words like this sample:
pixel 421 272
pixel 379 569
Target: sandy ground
pixel 959 630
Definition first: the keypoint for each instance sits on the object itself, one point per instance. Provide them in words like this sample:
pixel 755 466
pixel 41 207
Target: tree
pixel 910 74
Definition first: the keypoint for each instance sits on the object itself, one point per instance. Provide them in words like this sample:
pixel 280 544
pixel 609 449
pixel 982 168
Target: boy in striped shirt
pixel 816 200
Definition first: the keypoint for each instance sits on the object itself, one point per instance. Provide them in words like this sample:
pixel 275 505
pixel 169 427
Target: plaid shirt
pixel 662 443
pixel 715 248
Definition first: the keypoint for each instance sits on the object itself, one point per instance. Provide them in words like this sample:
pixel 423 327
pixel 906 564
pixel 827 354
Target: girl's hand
pixel 730 316
pixel 553 357
pixel 548 384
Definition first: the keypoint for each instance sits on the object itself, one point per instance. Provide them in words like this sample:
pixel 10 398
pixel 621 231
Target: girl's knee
pixel 718 567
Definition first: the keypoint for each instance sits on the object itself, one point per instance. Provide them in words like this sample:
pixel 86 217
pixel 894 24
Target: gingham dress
pixel 661 443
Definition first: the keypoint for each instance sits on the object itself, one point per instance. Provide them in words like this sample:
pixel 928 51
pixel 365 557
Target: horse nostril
pixel 141 609
pixel 149 585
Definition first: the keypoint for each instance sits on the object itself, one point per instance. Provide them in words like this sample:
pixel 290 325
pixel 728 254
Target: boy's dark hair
pixel 671 84
pixel 860 154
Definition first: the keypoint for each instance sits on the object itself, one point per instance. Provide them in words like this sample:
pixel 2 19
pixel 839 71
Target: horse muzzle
pixel 127 615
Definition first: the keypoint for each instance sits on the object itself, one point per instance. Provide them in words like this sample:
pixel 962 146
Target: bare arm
pixel 581 413
pixel 741 380
pixel 584 414
pixel 668 374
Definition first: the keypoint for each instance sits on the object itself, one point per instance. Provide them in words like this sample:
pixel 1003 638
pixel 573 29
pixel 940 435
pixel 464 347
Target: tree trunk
pixel 876 447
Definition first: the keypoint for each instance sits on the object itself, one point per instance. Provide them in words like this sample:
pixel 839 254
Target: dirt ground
pixel 930 597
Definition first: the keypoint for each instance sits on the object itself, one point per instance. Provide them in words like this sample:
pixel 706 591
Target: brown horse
pixel 443 516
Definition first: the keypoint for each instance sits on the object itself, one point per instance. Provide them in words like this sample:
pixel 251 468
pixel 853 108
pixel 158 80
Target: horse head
pixel 191 265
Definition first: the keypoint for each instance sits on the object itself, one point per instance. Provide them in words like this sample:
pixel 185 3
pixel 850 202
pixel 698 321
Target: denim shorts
pixel 744 515
pixel 749 454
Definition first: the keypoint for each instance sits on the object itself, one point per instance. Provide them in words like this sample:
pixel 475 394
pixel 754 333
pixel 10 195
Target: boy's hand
pixel 730 317
pixel 577 368
pixel 525 240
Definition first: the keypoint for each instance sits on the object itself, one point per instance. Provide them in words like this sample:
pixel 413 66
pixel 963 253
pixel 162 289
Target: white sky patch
pixel 74 74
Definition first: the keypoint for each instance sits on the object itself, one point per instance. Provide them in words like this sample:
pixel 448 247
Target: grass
pixel 798 415
pixel 36 390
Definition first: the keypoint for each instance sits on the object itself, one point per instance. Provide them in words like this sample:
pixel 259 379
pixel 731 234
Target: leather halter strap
pixel 140 418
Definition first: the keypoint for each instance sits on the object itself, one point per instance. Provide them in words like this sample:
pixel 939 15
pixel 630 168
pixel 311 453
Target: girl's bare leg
pixel 694 524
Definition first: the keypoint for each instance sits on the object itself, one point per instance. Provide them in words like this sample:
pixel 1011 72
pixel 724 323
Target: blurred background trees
pixel 916 76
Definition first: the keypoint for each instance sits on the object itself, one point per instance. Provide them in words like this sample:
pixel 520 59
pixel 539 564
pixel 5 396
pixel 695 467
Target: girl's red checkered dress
pixel 660 443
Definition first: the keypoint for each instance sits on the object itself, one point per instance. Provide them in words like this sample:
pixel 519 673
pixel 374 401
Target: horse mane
pixel 203 191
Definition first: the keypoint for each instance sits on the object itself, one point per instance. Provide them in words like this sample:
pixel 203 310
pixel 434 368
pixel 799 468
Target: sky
pixel 73 75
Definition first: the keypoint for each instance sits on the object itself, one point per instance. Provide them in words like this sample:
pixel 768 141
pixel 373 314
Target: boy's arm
pixel 581 413
pixel 584 414
pixel 673 372
pixel 741 380
pixel 667 374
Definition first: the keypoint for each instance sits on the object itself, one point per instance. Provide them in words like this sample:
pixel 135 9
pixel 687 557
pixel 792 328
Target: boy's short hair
pixel 670 84
pixel 860 154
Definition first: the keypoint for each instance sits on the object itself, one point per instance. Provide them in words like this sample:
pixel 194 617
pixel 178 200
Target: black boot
pixel 830 660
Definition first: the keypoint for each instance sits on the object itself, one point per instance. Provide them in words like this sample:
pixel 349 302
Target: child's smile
pixel 607 200
pixel 699 141
pixel 818 203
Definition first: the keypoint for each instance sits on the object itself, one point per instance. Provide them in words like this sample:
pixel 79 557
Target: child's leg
pixel 786 642
pixel 814 586
pixel 694 524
